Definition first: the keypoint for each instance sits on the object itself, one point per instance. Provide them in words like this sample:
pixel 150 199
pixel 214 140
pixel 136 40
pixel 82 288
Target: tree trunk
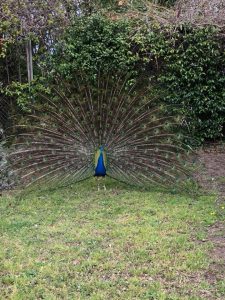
pixel 29 61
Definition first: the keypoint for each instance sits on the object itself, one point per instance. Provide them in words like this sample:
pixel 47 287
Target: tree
pixel 201 12
pixel 35 23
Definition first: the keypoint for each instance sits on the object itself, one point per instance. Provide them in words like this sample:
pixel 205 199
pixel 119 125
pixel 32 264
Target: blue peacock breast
pixel 100 169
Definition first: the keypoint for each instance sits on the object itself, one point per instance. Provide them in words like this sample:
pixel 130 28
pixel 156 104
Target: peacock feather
pixel 105 126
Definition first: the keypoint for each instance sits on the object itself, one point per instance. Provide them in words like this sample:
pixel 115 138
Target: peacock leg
pixel 104 186
pixel 97 180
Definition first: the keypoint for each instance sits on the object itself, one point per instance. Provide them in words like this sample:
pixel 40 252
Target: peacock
pixel 107 125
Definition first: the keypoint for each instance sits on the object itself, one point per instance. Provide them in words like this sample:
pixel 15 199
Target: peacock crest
pixel 97 127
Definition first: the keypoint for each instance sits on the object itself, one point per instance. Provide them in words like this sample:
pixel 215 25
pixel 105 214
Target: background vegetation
pixel 183 62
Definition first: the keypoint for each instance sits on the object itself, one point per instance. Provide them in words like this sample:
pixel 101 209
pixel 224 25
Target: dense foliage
pixel 94 43
pixel 194 76
pixel 185 65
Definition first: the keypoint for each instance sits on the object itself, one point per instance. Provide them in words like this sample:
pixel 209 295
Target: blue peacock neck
pixel 100 167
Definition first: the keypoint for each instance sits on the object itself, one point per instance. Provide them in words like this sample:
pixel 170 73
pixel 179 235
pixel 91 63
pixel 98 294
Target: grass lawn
pixel 78 243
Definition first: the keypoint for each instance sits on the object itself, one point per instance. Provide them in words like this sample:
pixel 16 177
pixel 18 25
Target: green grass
pixel 78 243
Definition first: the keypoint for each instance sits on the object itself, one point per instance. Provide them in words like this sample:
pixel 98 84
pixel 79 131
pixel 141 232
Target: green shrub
pixel 93 43
pixel 194 77
pixel 186 68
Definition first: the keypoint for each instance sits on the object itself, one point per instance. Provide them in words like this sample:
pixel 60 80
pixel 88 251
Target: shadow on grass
pixel 188 188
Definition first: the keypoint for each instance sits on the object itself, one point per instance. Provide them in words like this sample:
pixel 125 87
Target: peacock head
pixel 101 148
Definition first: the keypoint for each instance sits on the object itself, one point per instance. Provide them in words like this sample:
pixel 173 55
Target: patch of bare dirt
pixel 212 178
pixel 211 175
pixel 216 271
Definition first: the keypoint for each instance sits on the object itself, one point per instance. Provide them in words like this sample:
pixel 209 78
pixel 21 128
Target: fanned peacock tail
pixel 139 140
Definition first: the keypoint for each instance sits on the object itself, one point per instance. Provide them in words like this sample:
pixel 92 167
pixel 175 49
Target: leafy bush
pixel 194 76
pixel 93 43
pixel 185 67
